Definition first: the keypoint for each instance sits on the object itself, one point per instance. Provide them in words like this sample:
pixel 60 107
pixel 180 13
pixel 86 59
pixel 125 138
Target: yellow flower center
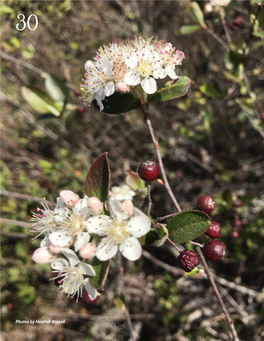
pixel 118 232
pixel 76 224
pixel 144 68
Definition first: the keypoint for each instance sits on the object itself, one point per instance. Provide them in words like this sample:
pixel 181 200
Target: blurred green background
pixel 211 141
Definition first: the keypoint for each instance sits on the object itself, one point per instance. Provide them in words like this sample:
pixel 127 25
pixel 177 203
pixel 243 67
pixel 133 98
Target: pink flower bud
pixel 55 249
pixel 88 251
pixel 69 198
pixel 95 205
pixel 128 207
pixel 43 256
pixel 122 87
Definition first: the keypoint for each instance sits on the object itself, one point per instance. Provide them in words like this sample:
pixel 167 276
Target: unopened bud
pixel 55 249
pixel 122 87
pixel 86 298
pixel 43 256
pixel 69 198
pixel 128 207
pixel 95 205
pixel 88 251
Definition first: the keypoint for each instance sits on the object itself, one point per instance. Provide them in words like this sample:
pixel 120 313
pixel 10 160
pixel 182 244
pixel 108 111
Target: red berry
pixel 235 234
pixel 237 223
pixel 238 21
pixel 188 260
pixel 206 204
pixel 214 250
pixel 237 203
pixel 81 109
pixel 214 230
pixel 148 170
pixel 86 298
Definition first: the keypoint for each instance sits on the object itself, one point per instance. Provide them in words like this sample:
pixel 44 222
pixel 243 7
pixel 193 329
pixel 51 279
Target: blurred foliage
pixel 211 141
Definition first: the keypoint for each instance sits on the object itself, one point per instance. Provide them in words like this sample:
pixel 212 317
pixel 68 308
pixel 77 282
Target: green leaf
pixel 227 196
pixel 188 29
pixel 177 89
pixel 238 44
pixel 40 102
pixel 134 181
pixel 101 269
pixel 231 77
pixel 56 88
pixel 150 237
pixel 195 13
pixel 98 179
pixel 188 225
pixel 228 8
pixel 246 105
pixel 164 236
pixel 119 103
pixel 232 59
pixel 212 91
pixel 46 118
pixel 6 9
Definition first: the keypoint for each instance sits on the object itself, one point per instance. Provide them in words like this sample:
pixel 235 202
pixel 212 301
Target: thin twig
pixel 24 197
pixel 149 199
pixel 195 243
pixel 218 296
pixel 13 222
pixel 156 146
pixel 225 46
pixel 174 245
pixel 167 216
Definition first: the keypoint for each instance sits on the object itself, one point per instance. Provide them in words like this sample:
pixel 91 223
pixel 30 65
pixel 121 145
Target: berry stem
pixel 149 199
pixel 195 243
pixel 174 245
pixel 156 146
pixel 217 294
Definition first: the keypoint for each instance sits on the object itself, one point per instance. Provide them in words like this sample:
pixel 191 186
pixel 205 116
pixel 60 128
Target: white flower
pixel 98 81
pixel 143 68
pixel 72 272
pixel 170 57
pixel 122 193
pixel 46 220
pixel 74 228
pixel 221 3
pixel 120 232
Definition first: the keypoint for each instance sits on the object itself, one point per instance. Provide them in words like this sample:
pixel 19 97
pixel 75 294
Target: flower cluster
pixel 121 67
pixel 80 223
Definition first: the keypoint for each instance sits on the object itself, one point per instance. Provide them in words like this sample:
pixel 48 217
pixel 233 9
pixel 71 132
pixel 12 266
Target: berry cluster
pixel 214 249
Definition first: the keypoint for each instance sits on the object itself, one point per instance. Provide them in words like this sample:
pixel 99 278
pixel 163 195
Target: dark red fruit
pixel 235 234
pixel 206 204
pixel 214 250
pixel 148 170
pixel 214 230
pixel 86 298
pixel 188 260
pixel 237 223
pixel 237 203
pixel 238 21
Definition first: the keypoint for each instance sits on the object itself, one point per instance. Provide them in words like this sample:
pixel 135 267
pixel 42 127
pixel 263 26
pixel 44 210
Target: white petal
pixel 81 208
pixel 81 240
pixel 138 226
pixel 86 269
pixel 170 72
pixel 132 77
pixel 59 264
pixel 98 224
pixel 131 249
pixel 61 238
pixel 159 73
pixel 106 249
pixel 109 88
pixel 59 205
pixel 72 257
pixel 149 85
pixel 132 61
pixel 88 65
pixel 100 96
pixel 46 241
pixel 92 292
pixel 117 210
pixel 106 66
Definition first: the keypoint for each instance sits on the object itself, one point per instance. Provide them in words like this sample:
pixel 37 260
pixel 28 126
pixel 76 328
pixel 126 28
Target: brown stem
pixel 156 146
pixel 149 199
pixel 217 294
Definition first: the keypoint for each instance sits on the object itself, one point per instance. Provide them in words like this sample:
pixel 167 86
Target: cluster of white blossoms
pixel 80 223
pixel 118 67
